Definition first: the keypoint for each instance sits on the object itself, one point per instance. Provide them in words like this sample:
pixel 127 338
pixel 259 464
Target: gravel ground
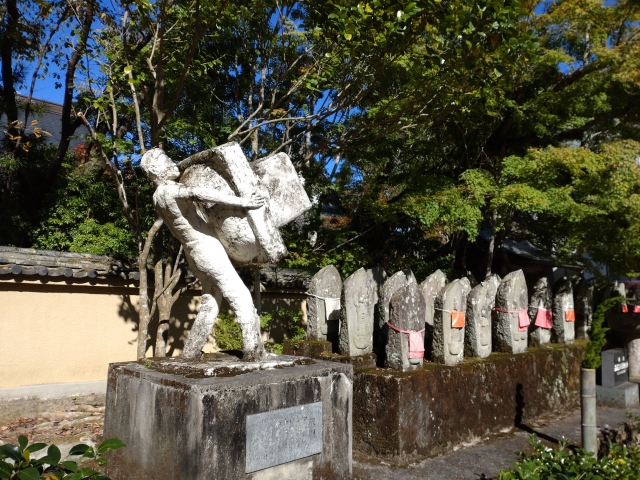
pixel 66 422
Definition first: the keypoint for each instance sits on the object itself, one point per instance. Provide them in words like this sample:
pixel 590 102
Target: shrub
pixel 565 462
pixel 228 334
pixel 597 340
pixel 16 461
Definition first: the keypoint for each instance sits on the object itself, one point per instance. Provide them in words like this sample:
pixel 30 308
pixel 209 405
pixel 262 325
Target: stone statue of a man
pixel 206 254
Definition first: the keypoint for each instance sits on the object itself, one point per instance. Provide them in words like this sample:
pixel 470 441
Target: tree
pixel 35 36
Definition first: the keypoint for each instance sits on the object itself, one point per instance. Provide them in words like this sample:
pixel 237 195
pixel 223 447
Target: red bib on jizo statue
pixel 544 318
pixel 570 315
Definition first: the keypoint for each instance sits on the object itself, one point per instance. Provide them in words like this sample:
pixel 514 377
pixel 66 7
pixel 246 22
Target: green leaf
pixel 23 441
pixel 11 451
pixel 86 472
pixel 6 470
pixel 29 473
pixel 53 455
pixel 36 447
pixel 79 449
pixel 110 444
pixel 69 465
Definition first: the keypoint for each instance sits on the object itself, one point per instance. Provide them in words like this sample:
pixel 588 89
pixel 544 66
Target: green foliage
pixel 16 462
pixel 589 196
pixel 425 122
pixel 84 215
pixel 544 463
pixel 228 334
pixel 597 339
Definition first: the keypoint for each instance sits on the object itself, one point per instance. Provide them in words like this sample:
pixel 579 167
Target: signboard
pixel 283 435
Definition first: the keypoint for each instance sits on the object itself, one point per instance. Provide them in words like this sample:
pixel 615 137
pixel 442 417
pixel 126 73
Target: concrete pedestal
pixel 288 417
pixel 625 395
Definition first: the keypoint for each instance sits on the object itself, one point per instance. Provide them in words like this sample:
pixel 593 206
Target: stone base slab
pixel 625 395
pixel 306 348
pixel 287 417
pixel 321 350
pixel 426 412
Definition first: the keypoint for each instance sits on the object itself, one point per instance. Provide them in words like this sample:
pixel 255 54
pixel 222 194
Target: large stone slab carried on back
pixel 430 289
pixel 564 315
pixel 511 321
pixel 448 324
pixel 405 351
pixel 288 198
pixel 250 237
pixel 540 308
pixel 358 305
pixel 323 304
pixel 393 284
pixel 480 302
pixel 584 307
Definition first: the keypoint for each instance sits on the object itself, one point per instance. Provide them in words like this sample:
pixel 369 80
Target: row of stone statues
pixel 405 322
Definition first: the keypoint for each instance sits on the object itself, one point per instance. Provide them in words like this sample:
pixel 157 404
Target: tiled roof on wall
pixel 48 263
pixel 29 261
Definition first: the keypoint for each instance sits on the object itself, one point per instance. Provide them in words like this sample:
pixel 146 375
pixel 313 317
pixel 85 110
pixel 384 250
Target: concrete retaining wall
pixel 426 412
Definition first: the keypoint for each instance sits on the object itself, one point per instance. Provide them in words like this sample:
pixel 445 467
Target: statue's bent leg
pixel 210 263
pixel 202 326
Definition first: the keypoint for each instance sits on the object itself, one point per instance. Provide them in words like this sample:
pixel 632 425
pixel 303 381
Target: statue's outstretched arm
pixel 214 196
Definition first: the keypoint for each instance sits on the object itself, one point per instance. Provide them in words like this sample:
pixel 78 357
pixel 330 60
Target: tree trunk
pixel 167 277
pixel 492 243
pixel 69 126
pixel 145 309
pixel 6 55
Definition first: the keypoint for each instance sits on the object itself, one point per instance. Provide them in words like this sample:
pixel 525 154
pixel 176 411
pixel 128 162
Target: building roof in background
pixel 50 121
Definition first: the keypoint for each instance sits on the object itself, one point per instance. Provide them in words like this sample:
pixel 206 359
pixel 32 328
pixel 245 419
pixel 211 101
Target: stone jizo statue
pixel 511 320
pixel 226 213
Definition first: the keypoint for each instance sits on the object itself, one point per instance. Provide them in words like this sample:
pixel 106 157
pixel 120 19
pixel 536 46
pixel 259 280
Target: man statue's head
pixel 158 167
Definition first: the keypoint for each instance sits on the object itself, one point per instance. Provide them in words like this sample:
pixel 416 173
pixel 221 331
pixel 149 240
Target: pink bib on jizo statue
pixel 544 318
pixel 416 343
pixel 523 320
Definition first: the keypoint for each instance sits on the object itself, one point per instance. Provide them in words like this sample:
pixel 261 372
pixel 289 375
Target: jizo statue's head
pixel 158 167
